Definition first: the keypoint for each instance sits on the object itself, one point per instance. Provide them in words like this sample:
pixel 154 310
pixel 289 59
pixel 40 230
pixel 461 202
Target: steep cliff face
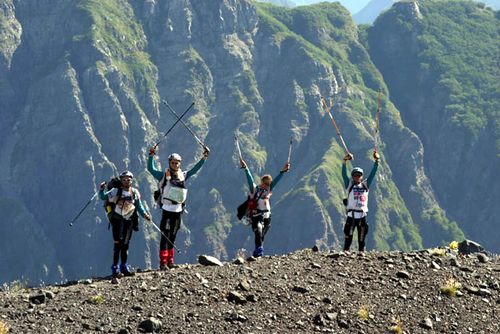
pixel 86 81
pixel 446 87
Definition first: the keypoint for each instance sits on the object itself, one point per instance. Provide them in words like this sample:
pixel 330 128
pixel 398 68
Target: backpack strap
pixel 351 185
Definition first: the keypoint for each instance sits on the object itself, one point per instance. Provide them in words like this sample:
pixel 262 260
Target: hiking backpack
pixel 109 206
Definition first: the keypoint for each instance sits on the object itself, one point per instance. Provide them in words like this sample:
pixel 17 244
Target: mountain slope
pixel 440 61
pixel 373 292
pixel 85 80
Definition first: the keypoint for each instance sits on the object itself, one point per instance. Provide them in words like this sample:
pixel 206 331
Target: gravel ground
pixel 301 292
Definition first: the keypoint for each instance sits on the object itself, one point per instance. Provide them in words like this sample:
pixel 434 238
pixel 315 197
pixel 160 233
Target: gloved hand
pixel 152 151
pixel 376 156
pixel 286 168
pixel 206 152
pixel 243 164
pixel 147 217
pixel 348 156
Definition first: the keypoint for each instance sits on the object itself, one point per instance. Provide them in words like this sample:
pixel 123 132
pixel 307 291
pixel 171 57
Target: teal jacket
pixel 369 180
pixel 158 174
pixel 252 185
pixel 103 195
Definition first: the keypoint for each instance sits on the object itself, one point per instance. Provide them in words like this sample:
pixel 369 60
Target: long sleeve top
pixel 158 174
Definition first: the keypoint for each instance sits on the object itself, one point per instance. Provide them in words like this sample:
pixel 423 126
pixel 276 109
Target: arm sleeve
pixel 103 195
pixel 372 174
pixel 157 174
pixel 251 183
pixel 140 207
pixel 195 168
pixel 276 179
pixel 345 178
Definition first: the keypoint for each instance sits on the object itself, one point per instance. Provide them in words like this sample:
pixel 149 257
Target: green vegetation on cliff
pixel 119 36
pixel 440 60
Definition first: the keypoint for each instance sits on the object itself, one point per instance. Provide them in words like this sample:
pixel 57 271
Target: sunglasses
pixel 357 175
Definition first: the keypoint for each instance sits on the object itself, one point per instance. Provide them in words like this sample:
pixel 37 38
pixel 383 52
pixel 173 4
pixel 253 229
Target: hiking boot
pixel 258 252
pixel 172 265
pixel 163 267
pixel 125 270
pixel 115 271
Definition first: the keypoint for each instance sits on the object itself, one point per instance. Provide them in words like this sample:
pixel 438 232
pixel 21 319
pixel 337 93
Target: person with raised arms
pixel 172 198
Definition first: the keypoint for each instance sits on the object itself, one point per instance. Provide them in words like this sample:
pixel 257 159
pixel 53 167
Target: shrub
pixel 364 312
pixel 4 329
pixel 98 299
pixel 450 287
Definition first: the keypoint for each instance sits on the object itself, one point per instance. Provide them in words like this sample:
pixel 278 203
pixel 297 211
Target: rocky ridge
pixel 428 291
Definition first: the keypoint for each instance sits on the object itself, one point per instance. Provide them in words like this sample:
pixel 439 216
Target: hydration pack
pixel 247 208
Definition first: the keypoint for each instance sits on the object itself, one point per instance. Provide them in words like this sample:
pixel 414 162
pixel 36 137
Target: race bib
pixel 176 194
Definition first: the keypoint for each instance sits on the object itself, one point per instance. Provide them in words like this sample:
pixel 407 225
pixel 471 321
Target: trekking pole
pixel 327 108
pixel 187 127
pixel 289 150
pixel 173 125
pixel 238 147
pixel 83 209
pixel 377 117
pixel 152 222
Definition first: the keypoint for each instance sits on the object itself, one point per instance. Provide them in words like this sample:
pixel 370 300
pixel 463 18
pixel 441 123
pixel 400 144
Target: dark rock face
pixel 469 247
pixel 83 83
pixel 287 296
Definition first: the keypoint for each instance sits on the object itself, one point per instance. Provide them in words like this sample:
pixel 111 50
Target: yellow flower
pixel 454 246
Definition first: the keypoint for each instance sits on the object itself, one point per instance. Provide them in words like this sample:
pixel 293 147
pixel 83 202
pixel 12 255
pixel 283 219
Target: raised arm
pixel 198 165
pixel 372 173
pixel 195 168
pixel 345 177
pixel 157 174
pixel 250 181
pixel 278 177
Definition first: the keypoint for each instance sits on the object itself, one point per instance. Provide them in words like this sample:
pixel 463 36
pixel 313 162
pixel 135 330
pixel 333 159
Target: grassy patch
pixel 4 328
pixel 364 312
pixel 450 287
pixel 438 251
pixel 396 327
pixel 96 300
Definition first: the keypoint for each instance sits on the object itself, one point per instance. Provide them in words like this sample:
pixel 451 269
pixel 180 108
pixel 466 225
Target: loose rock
pixel 207 260
pixel 151 325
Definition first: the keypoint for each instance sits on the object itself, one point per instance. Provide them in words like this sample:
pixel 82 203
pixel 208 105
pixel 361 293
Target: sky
pixel 354 6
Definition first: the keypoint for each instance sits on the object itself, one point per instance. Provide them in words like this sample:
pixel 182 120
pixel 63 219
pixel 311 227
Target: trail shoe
pixel 163 267
pixel 115 270
pixel 125 269
pixel 258 252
